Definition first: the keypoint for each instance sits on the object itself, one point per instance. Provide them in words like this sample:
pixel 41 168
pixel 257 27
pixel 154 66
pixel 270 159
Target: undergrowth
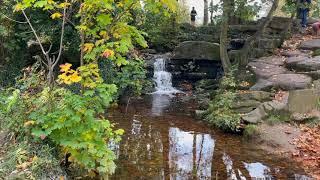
pixel 220 113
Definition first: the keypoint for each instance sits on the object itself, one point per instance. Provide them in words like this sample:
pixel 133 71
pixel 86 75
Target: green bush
pixel 72 123
pixel 130 79
pixel 220 112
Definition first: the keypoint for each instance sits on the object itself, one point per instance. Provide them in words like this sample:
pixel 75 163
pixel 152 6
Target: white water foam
pixel 163 78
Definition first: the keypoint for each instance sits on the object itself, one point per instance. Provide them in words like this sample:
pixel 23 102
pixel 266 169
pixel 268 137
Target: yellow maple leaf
pixel 75 77
pixel 65 67
pixel 87 47
pixel 28 123
pixel 50 1
pixel 64 5
pixel 56 15
pixel 18 7
pixel 108 53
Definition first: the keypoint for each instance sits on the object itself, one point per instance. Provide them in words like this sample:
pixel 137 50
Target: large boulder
pixel 279 23
pixel 249 100
pixel 291 62
pixel 312 44
pixel 283 81
pixel 273 60
pixel 294 53
pixel 197 50
pixel 262 111
pixel 303 101
pixel 269 43
pixel 308 64
pixel 291 81
pixel 265 70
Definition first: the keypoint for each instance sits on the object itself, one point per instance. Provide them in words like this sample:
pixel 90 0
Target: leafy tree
pixel 72 119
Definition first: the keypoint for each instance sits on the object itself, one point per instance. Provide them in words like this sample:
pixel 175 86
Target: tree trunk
pixel 244 54
pixel 224 37
pixel 211 11
pixel 206 13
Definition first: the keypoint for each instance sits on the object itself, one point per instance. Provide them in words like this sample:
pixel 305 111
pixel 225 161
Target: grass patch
pixel 250 131
pixel 30 161
pixel 277 118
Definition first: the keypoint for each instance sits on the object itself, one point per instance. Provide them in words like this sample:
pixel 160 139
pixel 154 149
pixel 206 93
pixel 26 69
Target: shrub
pixel 220 112
pixel 72 122
pixel 130 79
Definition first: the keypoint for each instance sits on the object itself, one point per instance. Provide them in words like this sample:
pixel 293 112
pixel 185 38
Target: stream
pixel 162 140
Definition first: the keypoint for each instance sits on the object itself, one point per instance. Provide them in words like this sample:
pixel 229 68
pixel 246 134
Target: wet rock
pixel 284 82
pixel 313 74
pixel 260 96
pixel 291 62
pixel 308 64
pixel 250 100
pixel 197 50
pixel 312 44
pixel 303 101
pixel 293 53
pixel 254 116
pixel 246 104
pixel 265 70
pixel 262 111
pixel 272 60
pixel 290 81
pixel 262 85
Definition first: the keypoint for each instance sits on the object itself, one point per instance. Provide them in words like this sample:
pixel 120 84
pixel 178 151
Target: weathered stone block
pixel 303 101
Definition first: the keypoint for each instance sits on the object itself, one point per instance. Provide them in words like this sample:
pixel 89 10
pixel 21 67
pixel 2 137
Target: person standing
pixel 304 8
pixel 193 15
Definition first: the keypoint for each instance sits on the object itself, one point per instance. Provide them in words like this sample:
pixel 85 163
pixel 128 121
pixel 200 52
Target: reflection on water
pixel 174 146
pixel 190 153
pixel 159 103
pixel 258 170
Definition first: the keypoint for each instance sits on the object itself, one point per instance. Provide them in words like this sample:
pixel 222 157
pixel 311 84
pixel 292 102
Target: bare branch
pixel 62 35
pixel 34 32
pixel 20 22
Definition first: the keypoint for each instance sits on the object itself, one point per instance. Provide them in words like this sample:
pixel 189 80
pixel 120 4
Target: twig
pixel 20 22
pixel 128 104
pixel 62 35
pixel 34 32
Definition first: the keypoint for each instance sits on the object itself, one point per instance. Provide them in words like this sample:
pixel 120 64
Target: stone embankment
pixel 295 71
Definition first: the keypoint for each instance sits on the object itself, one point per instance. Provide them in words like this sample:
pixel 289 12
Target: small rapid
pixel 162 78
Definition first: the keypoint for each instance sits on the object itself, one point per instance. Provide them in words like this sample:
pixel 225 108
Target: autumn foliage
pixel 308 145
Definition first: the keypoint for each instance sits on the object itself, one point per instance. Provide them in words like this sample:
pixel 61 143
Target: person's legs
pixel 193 23
pixel 304 13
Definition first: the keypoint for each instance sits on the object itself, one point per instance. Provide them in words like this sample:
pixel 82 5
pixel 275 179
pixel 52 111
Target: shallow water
pixel 163 141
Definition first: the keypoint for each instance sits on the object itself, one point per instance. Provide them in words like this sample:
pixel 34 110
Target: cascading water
pixel 164 90
pixel 163 78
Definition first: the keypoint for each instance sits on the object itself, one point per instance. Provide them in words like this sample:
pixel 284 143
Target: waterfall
pixel 162 78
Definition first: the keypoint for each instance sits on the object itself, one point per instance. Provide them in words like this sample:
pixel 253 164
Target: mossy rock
pixel 316 52
pixel 197 50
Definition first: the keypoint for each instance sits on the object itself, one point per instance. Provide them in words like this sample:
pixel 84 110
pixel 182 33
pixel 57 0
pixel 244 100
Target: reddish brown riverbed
pixel 164 141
